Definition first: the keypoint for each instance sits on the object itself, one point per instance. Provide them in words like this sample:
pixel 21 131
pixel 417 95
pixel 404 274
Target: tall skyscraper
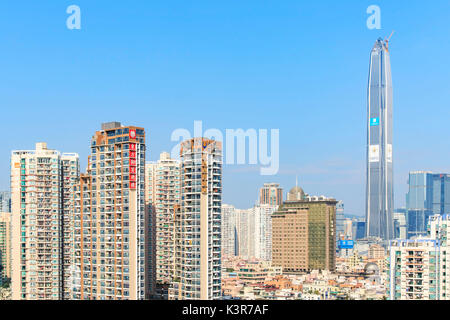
pixel 198 222
pixel 163 191
pixel 41 198
pixel 340 220
pixel 111 239
pixel 419 202
pixel 271 194
pixel 379 193
pixel 441 193
pixel 303 235
pixel 428 194
pixel 5 201
pixel 5 245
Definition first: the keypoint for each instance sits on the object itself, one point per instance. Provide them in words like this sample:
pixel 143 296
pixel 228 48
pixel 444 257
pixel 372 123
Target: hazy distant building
pixel 303 235
pixel 5 201
pixel 5 245
pixel 400 226
pixel 340 220
pixel 261 237
pixel 296 194
pixel 428 194
pixel 358 228
pixel 229 231
pixel 271 194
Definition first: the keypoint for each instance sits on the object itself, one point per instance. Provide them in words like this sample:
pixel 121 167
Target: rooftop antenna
pixel 296 181
pixel 387 40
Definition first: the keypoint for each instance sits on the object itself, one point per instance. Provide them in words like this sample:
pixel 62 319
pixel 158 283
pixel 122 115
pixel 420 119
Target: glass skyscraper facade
pixel 428 194
pixel 379 188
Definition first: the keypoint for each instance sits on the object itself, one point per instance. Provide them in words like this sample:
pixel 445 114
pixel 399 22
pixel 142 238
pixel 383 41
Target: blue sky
pixel 297 66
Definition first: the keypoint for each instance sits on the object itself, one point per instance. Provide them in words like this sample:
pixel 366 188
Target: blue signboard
pixel 346 244
pixel 374 121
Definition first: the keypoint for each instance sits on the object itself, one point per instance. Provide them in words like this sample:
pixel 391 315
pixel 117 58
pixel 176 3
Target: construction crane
pixel 387 40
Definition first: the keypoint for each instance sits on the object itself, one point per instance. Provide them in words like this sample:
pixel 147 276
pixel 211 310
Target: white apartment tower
pixel 229 231
pixel 163 192
pixel 198 222
pixel 41 186
pixel 419 269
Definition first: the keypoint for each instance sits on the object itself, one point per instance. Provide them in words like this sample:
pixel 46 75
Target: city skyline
pixel 141 67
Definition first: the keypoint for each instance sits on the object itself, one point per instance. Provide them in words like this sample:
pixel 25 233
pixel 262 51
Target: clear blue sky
pixel 299 66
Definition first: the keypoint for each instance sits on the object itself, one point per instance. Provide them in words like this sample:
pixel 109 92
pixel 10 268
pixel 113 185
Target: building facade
pixel 340 218
pixel 418 268
pixel 110 219
pixel 400 226
pixel 5 245
pixel 428 194
pixel 261 235
pixel 271 194
pixel 303 235
pixel 379 189
pixel 5 201
pixel 229 231
pixel 197 273
pixel 163 191
pixel 41 197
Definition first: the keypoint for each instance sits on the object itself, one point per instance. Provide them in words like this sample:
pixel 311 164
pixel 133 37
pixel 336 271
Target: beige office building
pixel 163 192
pixel 41 194
pixel 198 222
pixel 111 244
pixel 303 235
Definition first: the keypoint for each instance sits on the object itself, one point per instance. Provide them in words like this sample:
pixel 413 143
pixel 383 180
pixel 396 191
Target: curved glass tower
pixel 379 193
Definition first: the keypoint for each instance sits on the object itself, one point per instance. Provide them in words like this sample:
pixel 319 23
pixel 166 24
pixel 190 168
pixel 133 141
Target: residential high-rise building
pixel 261 235
pixel 198 222
pixel 243 232
pixel 229 232
pixel 40 223
pixel 271 194
pixel 111 238
pixel 418 268
pixel 379 193
pixel 70 169
pixel 303 235
pixel 163 191
pixel 5 245
pixel 247 233
pixel 5 201
pixel 413 273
